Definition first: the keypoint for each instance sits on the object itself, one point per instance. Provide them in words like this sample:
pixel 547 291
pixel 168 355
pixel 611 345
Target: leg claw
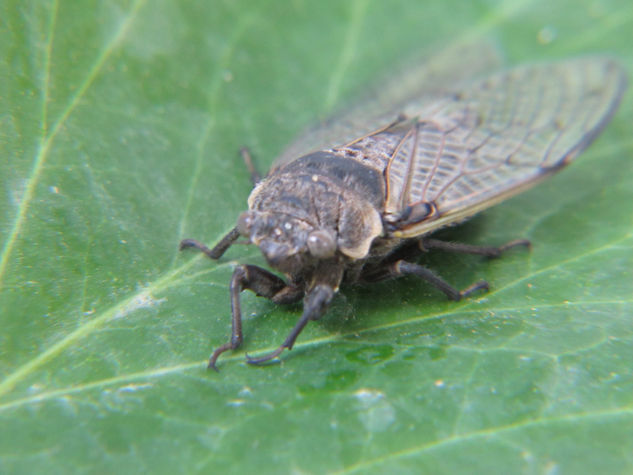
pixel 265 358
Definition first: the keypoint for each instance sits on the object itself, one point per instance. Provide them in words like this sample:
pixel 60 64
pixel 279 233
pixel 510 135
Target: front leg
pixel 218 250
pixel 315 304
pixel 263 284
pixel 324 284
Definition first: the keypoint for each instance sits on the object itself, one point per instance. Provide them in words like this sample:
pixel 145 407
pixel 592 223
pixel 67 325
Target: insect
pixel 363 204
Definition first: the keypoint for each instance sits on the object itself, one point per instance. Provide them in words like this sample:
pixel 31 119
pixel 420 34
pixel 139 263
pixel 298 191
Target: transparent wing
pixel 423 80
pixel 496 138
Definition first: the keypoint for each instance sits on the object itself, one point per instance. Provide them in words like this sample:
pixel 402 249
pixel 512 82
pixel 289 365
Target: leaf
pixel 120 127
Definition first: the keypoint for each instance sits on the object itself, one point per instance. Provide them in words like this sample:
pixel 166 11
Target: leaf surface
pixel 119 130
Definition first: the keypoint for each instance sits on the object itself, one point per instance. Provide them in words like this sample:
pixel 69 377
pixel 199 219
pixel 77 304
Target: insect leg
pixel 218 250
pixel 401 268
pixel 314 306
pixel 256 177
pixel 487 251
pixel 260 281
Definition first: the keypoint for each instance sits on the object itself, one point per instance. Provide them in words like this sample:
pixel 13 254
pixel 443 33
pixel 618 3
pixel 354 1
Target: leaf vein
pixel 347 53
pixel 45 147
pixel 485 433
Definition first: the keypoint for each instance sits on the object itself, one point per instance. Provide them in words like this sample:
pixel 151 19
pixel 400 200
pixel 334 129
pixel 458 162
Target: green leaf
pixel 119 130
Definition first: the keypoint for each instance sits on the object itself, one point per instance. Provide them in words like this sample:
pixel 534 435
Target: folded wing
pixel 495 138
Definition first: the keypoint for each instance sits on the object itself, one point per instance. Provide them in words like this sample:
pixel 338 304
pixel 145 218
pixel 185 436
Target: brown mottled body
pixel 363 210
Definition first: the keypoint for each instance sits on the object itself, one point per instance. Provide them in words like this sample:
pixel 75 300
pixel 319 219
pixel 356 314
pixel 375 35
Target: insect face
pixel 285 241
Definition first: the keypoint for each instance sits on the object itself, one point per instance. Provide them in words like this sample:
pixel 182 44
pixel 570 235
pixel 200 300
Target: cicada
pixel 364 204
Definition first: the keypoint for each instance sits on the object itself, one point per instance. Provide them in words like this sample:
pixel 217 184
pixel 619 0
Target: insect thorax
pixel 322 191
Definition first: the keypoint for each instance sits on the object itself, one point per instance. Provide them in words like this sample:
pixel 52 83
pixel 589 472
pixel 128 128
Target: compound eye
pixel 321 244
pixel 244 224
